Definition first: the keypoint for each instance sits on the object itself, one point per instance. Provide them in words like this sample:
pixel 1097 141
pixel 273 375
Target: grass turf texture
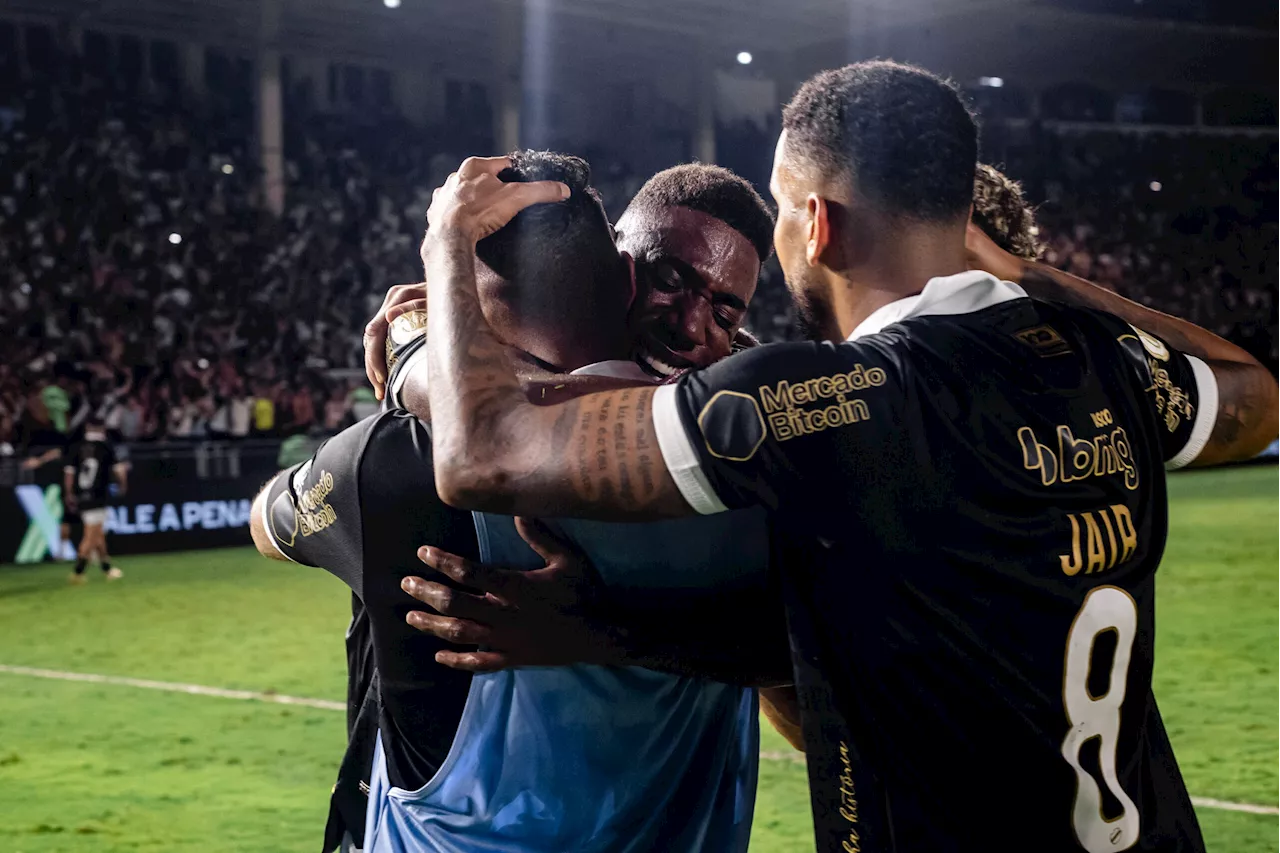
pixel 90 768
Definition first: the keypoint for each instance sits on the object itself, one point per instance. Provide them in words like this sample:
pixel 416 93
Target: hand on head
pixel 474 203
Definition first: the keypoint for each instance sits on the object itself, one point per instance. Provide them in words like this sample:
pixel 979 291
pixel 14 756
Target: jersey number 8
pixel 1106 608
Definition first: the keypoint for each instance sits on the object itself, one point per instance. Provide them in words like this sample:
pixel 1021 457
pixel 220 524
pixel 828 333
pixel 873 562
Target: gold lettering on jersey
pixel 1079 459
pixel 848 802
pixel 1101 539
pixel 787 420
pixel 1172 402
pixel 1101 419
pixel 314 513
pixel 314 496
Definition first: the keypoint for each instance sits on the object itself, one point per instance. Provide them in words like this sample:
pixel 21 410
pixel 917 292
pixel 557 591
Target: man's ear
pixel 818 235
pixel 631 277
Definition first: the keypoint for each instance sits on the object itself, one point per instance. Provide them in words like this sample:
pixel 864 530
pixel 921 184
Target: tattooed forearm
pixel 1246 420
pixel 472 386
pixel 593 456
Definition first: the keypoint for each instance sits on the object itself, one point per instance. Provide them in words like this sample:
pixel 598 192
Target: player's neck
pixel 896 269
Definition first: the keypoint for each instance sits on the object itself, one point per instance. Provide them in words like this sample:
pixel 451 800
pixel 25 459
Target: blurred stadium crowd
pixel 141 277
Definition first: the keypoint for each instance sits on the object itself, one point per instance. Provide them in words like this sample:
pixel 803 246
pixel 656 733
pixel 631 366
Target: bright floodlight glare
pixel 993 82
pixel 227 168
pixel 744 58
pixel 175 238
pixel 391 4
pixel 1156 186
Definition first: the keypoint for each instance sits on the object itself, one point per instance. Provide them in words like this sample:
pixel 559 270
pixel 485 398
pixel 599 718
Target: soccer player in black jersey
pixel 91 465
pixel 979 477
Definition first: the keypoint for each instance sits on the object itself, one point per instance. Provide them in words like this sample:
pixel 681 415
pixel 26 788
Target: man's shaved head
pixel 715 191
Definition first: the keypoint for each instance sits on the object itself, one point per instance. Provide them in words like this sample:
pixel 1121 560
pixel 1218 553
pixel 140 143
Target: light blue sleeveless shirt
pixel 596 759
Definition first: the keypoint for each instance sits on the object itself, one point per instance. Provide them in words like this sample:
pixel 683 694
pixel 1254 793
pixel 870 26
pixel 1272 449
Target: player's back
pixel 607 759
pixel 91 460
pixel 979 478
pixel 992 609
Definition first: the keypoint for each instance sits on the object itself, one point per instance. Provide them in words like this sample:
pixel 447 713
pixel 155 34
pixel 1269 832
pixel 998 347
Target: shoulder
pixel 801 373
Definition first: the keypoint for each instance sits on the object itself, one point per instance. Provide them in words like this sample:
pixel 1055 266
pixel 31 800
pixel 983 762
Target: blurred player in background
pixel 92 463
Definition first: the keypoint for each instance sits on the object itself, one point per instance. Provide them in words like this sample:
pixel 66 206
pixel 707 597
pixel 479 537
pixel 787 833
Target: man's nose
pixel 695 314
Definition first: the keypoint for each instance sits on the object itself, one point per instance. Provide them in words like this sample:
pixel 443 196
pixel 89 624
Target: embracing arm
pixel 1246 421
pixel 563 614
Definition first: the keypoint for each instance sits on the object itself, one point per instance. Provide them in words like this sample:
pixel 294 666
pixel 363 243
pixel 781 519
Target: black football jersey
pixel 350 797
pixel 360 508
pixel 90 463
pixel 979 480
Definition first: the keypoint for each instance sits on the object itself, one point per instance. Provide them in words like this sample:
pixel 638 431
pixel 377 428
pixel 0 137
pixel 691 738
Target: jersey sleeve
pixel 312 510
pixel 404 360
pixel 757 426
pixel 1181 391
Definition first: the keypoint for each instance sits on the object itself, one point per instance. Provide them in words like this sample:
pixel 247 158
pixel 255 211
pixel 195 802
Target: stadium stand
pixel 142 275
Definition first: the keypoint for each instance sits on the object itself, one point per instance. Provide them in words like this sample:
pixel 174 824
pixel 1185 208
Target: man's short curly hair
pixel 1000 210
pixel 901 136
pixel 561 256
pixel 571 236
pixel 715 191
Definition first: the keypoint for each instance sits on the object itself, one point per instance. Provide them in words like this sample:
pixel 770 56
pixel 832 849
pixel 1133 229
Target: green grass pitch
pixel 97 768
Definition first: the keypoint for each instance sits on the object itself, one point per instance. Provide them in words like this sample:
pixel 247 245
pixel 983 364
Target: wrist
pixel 448 237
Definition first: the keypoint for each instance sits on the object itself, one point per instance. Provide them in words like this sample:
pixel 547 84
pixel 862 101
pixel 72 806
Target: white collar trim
pixel 616 369
pixel 962 293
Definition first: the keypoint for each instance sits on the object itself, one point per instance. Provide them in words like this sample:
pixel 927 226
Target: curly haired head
pixel 1003 214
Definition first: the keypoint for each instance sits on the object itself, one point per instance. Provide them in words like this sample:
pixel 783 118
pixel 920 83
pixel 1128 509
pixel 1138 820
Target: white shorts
pixel 93 517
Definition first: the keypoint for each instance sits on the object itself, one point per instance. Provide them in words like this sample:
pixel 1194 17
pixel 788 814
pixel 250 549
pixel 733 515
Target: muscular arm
pixel 595 456
pixel 257 527
pixel 1247 393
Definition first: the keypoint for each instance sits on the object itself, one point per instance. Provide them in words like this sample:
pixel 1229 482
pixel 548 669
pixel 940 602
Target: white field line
pixel 193 689
pixel 328 705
